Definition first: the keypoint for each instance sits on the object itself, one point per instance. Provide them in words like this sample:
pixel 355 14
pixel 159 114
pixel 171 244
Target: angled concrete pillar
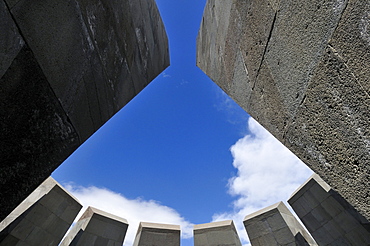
pixel 329 218
pixel 216 233
pixel 276 225
pixel 97 228
pixel 61 79
pixel 42 218
pixel 153 234
pixel 301 69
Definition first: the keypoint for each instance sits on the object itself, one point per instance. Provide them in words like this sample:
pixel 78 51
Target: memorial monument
pixel 301 69
pixel 276 225
pixel 98 228
pixel 42 218
pixel 66 67
pixel 216 233
pixel 327 216
pixel 154 234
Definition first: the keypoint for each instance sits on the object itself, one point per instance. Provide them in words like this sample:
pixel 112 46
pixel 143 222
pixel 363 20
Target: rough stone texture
pixel 301 69
pixel 97 228
pixel 216 233
pixel 42 218
pixel 152 234
pixel 66 67
pixel 276 225
pixel 327 216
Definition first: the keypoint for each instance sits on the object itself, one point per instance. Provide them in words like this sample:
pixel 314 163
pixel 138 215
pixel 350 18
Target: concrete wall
pixel 66 67
pixel 152 234
pixel 42 218
pixel 216 234
pixel 327 216
pixel 97 228
pixel 301 69
pixel 276 225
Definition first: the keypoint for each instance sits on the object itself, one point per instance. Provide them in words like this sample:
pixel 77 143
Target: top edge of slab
pixel 214 224
pixel 277 206
pixel 313 177
pixel 159 226
pixel 93 211
pixel 43 189
pixel 50 179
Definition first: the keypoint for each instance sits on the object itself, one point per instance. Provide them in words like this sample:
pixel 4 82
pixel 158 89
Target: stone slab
pixel 300 68
pixel 154 234
pixel 96 227
pixel 332 220
pixel 66 67
pixel 216 233
pixel 37 221
pixel 10 41
pixel 37 134
pixel 276 225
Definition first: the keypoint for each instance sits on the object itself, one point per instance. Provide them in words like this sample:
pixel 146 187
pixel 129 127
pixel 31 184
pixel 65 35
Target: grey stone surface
pixel 216 234
pixel 10 40
pixel 42 218
pixel 330 219
pixel 276 225
pixel 301 69
pixel 96 227
pixel 153 234
pixel 66 67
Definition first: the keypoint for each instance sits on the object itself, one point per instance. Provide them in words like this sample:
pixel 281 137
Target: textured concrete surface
pixel 42 218
pixel 301 69
pixel 153 234
pixel 276 225
pixel 216 234
pixel 327 216
pixel 66 67
pixel 97 228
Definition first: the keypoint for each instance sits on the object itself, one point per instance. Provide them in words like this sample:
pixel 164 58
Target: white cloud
pixel 133 210
pixel 165 75
pixel 267 173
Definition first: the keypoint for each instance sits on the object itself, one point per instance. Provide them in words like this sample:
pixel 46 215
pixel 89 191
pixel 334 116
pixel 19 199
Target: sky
pixel 181 152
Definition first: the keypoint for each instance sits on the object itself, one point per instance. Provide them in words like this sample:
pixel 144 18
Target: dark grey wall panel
pixel 66 67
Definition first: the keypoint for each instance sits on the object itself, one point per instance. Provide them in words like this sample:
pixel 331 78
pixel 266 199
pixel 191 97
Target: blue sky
pixel 181 151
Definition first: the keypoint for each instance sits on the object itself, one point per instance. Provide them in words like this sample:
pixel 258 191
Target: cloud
pixel 133 210
pixel 165 75
pixel 267 173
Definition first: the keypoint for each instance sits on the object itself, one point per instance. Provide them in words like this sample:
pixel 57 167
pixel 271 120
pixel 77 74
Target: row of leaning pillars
pixel 46 215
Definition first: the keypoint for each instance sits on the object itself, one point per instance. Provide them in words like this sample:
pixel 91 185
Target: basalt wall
pixel 301 69
pixel 66 67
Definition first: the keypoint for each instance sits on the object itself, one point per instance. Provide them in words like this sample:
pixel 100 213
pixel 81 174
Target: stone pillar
pixel 152 234
pixel 61 80
pixel 96 227
pixel 329 218
pixel 301 69
pixel 216 233
pixel 276 225
pixel 42 218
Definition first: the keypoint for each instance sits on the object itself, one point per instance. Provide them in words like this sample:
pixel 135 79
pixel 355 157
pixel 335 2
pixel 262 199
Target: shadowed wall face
pixel 301 69
pixel 276 225
pixel 66 67
pixel 42 218
pixel 95 228
pixel 216 233
pixel 153 234
pixel 327 216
